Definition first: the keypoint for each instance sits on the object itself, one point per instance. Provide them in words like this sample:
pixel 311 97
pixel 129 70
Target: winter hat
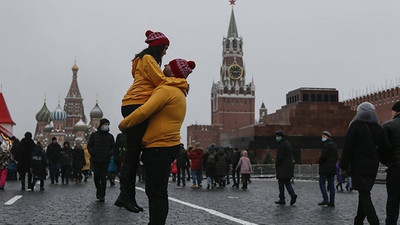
pixel 181 68
pixel 366 107
pixel 102 122
pixel 197 144
pixel 156 38
pixel 244 153
pixel 28 135
pixel 280 133
pixel 53 138
pixel 327 133
pixel 396 107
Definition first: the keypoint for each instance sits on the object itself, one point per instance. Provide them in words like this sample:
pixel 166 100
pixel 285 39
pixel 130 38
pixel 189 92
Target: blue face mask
pixel 324 139
pixel 105 128
pixel 278 139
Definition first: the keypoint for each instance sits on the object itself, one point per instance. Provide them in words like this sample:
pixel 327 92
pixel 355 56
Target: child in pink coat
pixel 245 169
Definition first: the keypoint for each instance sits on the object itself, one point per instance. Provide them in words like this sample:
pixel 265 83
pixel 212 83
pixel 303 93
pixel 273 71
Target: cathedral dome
pixel 43 115
pixel 48 128
pixel 80 126
pixel 96 112
pixel 58 114
pixel 75 67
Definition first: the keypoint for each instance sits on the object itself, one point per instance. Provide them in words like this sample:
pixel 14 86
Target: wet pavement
pixel 76 204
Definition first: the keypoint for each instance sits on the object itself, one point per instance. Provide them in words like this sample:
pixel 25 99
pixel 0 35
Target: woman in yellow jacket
pixel 161 141
pixel 86 168
pixel 147 76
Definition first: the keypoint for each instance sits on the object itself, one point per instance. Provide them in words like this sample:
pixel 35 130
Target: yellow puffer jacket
pixel 147 76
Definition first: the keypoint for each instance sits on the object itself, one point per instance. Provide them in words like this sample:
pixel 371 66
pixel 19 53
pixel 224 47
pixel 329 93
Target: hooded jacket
pixel 196 157
pixel 167 108
pixel 101 144
pixel 147 76
pixel 244 164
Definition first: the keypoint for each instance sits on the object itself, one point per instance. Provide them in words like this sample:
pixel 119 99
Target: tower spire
pixel 232 30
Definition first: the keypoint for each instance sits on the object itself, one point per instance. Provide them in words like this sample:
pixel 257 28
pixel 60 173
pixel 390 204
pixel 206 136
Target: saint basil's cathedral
pixel 68 123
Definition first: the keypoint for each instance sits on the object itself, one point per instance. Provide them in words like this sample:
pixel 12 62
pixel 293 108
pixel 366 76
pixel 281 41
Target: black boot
pixel 126 197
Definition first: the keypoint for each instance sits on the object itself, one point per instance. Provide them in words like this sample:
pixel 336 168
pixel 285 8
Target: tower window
pixel 227 44
pixel 234 44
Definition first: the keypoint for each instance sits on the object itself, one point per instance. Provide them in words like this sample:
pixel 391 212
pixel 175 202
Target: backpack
pixel 211 158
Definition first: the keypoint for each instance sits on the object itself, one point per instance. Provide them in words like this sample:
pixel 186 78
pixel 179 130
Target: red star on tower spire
pixel 232 2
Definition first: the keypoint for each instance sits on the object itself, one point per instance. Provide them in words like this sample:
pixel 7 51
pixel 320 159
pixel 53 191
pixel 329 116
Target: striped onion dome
pixel 58 114
pixel 96 112
pixel 80 126
pixel 44 114
pixel 48 128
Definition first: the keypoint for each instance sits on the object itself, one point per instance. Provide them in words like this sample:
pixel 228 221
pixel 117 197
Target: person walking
pixel 100 146
pixel 24 159
pixel 54 156
pixel 284 168
pixel 327 169
pixel 392 160
pixel 86 169
pixel 147 76
pixel 182 162
pixel 235 172
pixel 119 150
pixel 244 165
pixel 112 171
pixel 66 163
pixel 5 158
pixel 221 165
pixel 78 162
pixel 161 141
pixel 38 166
pixel 209 166
pixel 196 165
pixel 363 141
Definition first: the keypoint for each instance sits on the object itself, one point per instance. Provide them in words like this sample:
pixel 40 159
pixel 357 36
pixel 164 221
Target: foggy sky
pixel 349 45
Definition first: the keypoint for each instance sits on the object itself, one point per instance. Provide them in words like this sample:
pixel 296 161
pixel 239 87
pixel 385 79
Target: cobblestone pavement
pixel 76 204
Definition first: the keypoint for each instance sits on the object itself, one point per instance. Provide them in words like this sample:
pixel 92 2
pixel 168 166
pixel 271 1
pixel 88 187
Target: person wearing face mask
pixel 100 146
pixel 284 168
pixel 327 169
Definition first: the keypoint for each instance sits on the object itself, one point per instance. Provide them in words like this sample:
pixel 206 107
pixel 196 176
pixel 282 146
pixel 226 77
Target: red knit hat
pixel 181 68
pixel 156 38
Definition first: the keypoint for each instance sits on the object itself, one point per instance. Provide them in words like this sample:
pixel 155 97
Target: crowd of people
pixel 153 110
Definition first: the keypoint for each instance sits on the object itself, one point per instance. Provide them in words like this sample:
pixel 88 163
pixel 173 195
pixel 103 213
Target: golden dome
pixel 75 67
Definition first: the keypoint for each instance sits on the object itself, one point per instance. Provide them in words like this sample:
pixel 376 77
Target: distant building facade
pixel 6 122
pixel 68 124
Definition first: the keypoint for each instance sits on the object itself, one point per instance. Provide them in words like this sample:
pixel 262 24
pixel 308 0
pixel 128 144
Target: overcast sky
pixel 349 45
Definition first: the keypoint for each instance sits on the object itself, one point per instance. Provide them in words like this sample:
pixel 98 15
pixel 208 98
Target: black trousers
pixel 393 194
pixel 130 161
pixel 100 178
pixel 365 209
pixel 181 174
pixel 282 183
pixel 22 178
pixel 157 164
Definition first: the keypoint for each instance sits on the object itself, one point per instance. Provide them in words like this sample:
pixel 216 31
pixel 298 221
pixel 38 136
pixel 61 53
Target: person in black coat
pixel 209 166
pixel 363 141
pixel 38 166
pixel 53 154
pixel 235 173
pixel 327 169
pixel 221 163
pixel 24 156
pixel 284 168
pixel 182 162
pixel 391 158
pixel 66 162
pixel 100 146
pixel 120 150
pixel 78 161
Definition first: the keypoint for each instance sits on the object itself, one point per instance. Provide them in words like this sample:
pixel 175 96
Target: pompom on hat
pixel 156 38
pixel 181 68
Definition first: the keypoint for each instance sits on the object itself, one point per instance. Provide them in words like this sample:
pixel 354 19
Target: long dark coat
pixel 284 160
pixel 101 146
pixel 24 155
pixel 221 163
pixel 39 163
pixel 360 153
pixel 208 165
pixel 328 159
pixel 78 159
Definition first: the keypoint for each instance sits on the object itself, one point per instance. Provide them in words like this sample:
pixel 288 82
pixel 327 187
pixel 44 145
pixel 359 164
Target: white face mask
pixel 324 139
pixel 105 128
